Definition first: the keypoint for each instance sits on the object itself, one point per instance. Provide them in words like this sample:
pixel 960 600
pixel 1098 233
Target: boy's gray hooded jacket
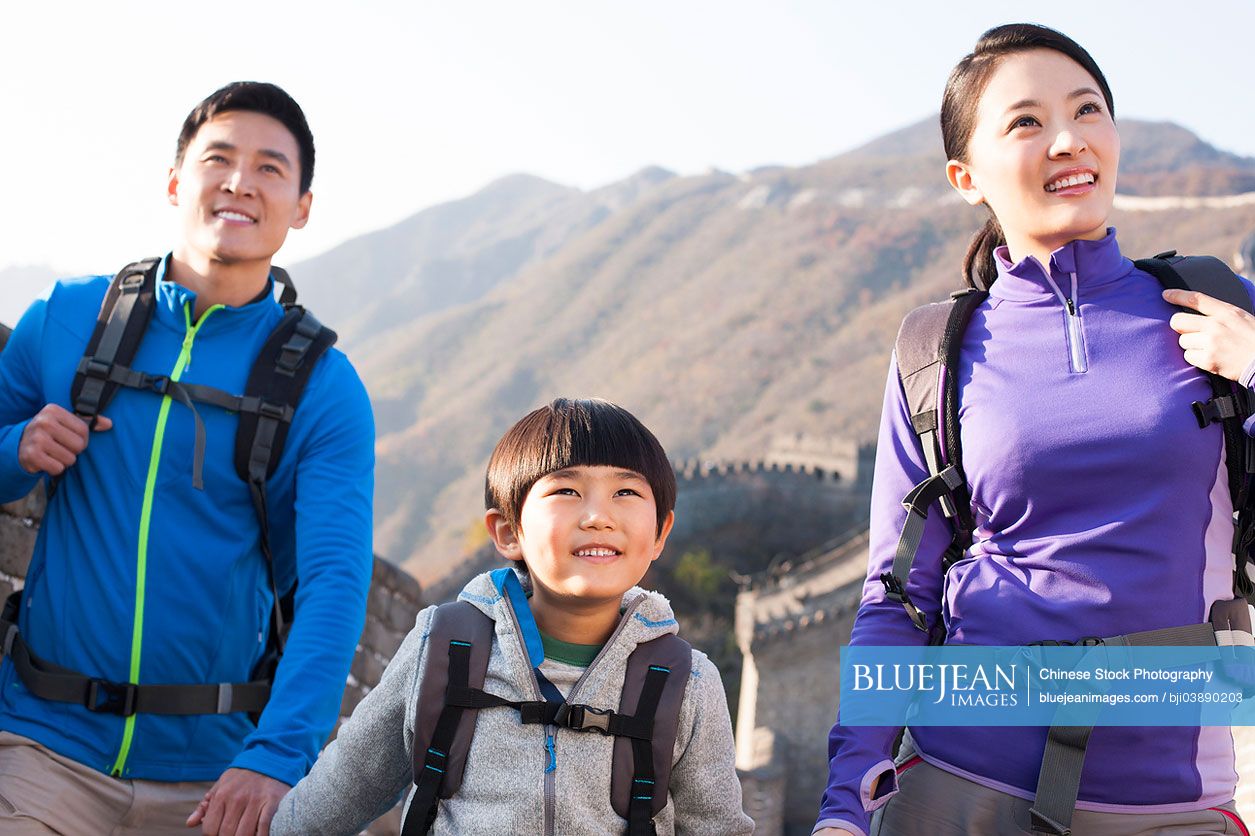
pixel 505 788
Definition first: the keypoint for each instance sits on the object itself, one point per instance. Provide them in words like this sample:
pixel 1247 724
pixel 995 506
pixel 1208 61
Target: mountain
pixel 455 252
pixel 1160 158
pixel 722 309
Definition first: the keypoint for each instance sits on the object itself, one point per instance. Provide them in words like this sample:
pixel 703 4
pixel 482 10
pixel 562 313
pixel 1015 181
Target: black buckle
pixel 1215 410
pixel 97 369
pixel 277 412
pixel 159 384
pixel 894 590
pixel 584 718
pixel 119 697
pixel 289 359
pixel 132 280
pixel 1085 641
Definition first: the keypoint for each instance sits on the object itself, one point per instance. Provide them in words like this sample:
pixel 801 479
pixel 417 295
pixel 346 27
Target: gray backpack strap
pixel 458 645
pixel 639 789
pixel 927 351
pixel 1230 404
pixel 1203 273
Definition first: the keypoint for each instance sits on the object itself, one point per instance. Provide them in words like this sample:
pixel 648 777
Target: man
pixel 150 568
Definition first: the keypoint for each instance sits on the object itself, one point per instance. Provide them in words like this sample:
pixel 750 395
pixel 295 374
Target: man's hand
pixel 1221 340
pixel 241 803
pixel 53 440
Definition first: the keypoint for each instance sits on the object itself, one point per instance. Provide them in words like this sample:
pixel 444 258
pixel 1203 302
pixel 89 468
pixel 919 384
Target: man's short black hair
pixel 571 433
pixel 257 97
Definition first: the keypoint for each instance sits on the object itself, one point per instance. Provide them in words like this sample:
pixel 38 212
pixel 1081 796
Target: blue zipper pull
pixel 553 755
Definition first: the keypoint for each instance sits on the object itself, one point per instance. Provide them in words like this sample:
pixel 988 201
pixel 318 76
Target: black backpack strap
pixel 1230 405
pixel 120 325
pixel 927 352
pixel 657 676
pixel 49 681
pixel 458 645
pixel 274 389
pixel 287 297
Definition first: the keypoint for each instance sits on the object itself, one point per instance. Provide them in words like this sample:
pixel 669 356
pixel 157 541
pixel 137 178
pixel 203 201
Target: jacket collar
pixel 1095 263
pixel 649 613
pixel 171 299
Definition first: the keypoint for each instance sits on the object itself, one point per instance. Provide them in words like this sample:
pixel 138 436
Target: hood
pixel 649 614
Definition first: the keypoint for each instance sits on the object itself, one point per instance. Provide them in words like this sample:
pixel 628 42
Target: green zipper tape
pixel 145 518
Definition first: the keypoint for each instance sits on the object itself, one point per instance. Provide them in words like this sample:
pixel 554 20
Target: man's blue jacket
pixel 137 576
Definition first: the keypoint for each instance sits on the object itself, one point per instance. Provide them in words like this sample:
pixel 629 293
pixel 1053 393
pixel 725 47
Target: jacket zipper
pixel 1077 362
pixel 551 778
pixel 551 731
pixel 534 689
pixel 145 518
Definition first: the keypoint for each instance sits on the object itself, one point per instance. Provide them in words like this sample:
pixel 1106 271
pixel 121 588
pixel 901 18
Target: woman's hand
pixel 1219 338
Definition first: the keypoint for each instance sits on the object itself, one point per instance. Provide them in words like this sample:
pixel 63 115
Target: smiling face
pixel 587 534
pixel 237 189
pixel 1043 153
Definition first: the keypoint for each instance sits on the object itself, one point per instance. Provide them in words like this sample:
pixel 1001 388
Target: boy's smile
pixel 587 535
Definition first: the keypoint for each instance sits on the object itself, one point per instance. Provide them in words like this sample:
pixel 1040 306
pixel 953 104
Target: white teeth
pixel 596 553
pixel 1073 180
pixel 233 216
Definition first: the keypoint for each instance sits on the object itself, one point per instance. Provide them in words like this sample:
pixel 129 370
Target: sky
pixel 415 103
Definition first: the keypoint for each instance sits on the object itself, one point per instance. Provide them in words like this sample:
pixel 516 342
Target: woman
pixel 1100 507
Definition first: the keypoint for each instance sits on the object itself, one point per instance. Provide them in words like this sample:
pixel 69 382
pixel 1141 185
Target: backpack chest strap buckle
pixel 1220 408
pixel 584 718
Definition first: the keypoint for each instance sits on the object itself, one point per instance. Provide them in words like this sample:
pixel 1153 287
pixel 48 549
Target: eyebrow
pixel 1075 94
pixel 222 145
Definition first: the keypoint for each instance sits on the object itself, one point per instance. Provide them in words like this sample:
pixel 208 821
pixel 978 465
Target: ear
pixel 302 210
pixel 662 536
pixel 502 535
pixel 172 186
pixel 961 179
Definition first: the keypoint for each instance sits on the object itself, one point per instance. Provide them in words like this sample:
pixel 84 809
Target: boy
pixel 152 582
pixel 579 498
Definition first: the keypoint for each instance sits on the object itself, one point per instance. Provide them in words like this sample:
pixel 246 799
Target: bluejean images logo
pixel 968 686
pixel 1043 686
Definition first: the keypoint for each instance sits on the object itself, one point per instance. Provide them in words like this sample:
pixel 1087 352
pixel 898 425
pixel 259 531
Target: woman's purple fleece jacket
pixel 1101 509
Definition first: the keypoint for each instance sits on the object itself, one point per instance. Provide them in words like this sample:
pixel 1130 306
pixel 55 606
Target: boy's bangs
pixel 591 436
pixel 574 433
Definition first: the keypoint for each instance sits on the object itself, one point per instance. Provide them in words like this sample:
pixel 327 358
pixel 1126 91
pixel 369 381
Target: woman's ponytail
pixel 979 267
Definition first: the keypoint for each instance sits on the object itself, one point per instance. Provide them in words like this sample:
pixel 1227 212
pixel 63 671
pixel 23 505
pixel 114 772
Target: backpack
pixel 275 384
pixel 927 351
pixel 451 695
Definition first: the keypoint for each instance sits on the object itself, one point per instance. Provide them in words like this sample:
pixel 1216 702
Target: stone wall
pixel 790 627
pixel 748 512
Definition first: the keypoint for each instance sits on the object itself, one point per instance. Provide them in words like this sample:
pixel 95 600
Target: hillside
pixel 722 309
